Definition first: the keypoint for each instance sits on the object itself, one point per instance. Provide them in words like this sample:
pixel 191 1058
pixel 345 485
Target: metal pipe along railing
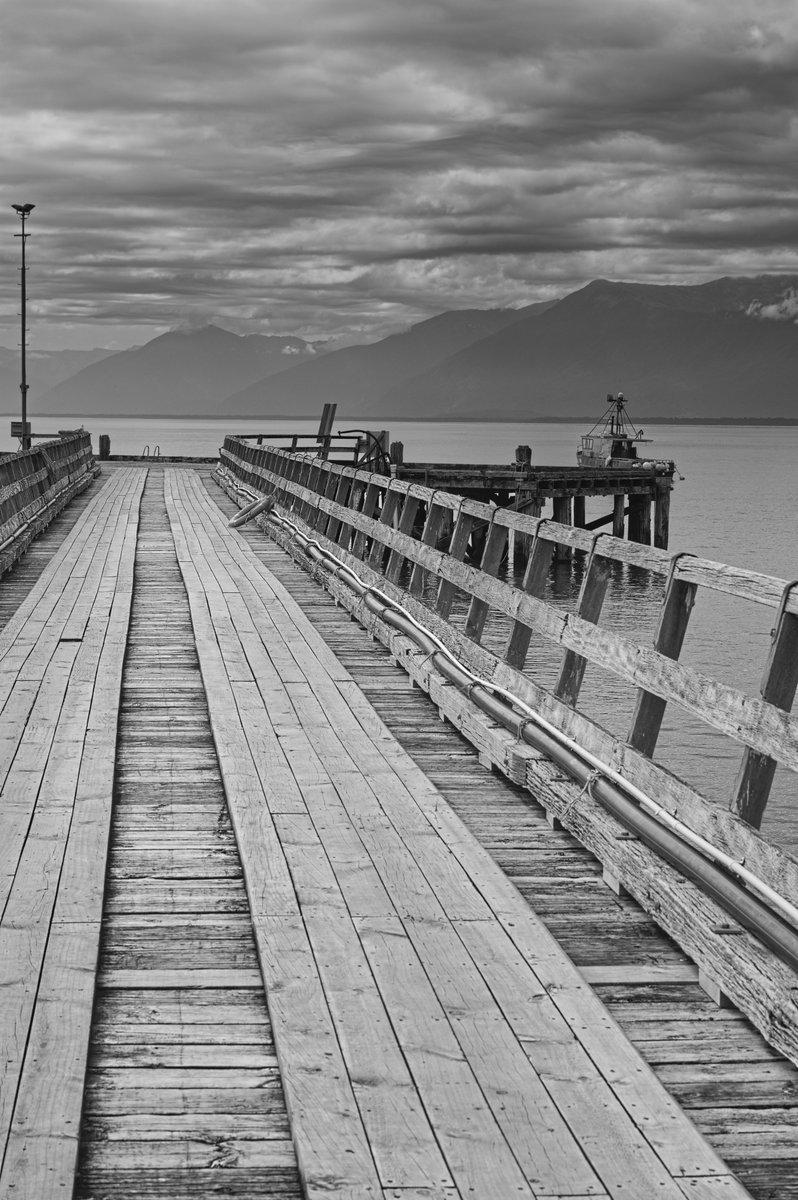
pixel 752 902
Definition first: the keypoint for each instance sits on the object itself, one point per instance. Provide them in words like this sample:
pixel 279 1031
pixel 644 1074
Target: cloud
pixel 784 310
pixel 327 166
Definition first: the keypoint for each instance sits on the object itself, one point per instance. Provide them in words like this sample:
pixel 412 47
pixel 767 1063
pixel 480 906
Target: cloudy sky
pixel 345 167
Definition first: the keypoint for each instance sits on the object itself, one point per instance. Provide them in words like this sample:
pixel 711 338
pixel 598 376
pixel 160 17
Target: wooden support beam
pixel 390 506
pixel 325 429
pixel 561 508
pixel 433 524
pixel 396 560
pixel 640 519
pixel 355 496
pixel 579 512
pixel 495 546
pixel 534 583
pixel 341 492
pixel 457 550
pixel 370 502
pixel 316 480
pixel 528 503
pixel 591 599
pixel 619 513
pixel 662 508
pixel 650 709
pixel 609 519
pixel 778 687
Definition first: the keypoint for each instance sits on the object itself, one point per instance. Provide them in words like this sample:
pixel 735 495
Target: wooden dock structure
pixel 277 923
pixel 640 494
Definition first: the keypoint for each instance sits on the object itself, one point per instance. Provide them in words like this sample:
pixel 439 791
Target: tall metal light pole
pixel 24 211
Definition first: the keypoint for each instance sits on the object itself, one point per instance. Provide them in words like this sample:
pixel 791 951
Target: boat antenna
pixel 613 416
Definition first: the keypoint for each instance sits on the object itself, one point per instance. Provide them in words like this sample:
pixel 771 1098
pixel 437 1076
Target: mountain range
pixel 181 373
pixel 47 367
pixel 724 349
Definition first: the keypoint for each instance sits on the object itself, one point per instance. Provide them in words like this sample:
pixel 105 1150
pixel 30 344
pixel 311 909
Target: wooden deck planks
pixel 60 670
pixel 490 1087
pixel 183 1095
pixel 563 883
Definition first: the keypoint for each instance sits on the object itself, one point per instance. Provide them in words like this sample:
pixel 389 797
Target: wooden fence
pixel 413 542
pixel 36 484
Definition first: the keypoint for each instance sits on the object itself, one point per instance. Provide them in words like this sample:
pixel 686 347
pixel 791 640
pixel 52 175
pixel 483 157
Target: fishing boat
pixel 612 442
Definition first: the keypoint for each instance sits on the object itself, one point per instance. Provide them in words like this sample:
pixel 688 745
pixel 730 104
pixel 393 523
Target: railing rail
pixel 36 484
pixel 378 519
pixel 411 542
pixel 350 447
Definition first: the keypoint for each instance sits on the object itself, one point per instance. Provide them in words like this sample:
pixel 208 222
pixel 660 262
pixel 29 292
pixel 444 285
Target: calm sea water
pixel 737 503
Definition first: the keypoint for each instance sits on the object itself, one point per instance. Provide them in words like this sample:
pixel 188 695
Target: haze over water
pixel 737 504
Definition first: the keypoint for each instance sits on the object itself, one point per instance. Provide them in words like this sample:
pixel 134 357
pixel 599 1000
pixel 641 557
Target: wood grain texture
pixel 645 982
pixel 183 1095
pixel 66 640
pixel 435 875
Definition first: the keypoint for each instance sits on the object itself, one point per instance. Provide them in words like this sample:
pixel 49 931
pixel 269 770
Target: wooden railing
pixel 353 447
pixel 36 484
pixel 412 542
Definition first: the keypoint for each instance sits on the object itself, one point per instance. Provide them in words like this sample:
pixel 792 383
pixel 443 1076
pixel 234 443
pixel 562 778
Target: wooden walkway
pixel 183 1089
pixel 433 1038
pixel 463 1050
pixel 61 663
pixel 737 1089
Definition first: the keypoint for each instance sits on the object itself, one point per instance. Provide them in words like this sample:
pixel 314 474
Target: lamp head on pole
pixel 23 209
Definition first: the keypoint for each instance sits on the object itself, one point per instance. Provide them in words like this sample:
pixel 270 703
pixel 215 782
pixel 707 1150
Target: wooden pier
pixel 270 927
pixel 635 493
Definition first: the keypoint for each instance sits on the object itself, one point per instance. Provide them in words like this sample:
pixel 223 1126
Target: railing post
pixel 591 599
pixel 534 583
pixel 674 617
pixel 495 547
pixel 390 505
pixel 345 532
pixel 370 502
pixel 406 522
pixel 457 550
pixel 430 534
pixel 341 493
pixel 778 687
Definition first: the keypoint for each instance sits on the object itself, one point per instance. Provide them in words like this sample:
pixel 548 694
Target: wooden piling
pixel 640 519
pixel 562 515
pixel 662 508
pixel 618 516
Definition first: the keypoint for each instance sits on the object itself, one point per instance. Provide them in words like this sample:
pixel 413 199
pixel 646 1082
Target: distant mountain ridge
pixel 723 349
pixel 356 377
pixel 184 372
pixel 45 369
pixel 676 351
